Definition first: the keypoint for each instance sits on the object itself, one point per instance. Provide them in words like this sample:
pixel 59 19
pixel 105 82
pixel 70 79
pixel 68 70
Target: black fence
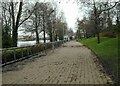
pixel 14 54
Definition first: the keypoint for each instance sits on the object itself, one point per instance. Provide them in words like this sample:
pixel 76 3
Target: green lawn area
pixel 107 49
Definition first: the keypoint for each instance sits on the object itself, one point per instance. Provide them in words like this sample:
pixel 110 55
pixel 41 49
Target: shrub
pixel 116 28
pixel 6 41
pixel 48 45
pixel 18 53
pixel 8 55
pixel 108 34
pixel 42 47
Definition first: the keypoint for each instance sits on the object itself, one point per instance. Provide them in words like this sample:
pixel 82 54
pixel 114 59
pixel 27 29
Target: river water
pixel 28 43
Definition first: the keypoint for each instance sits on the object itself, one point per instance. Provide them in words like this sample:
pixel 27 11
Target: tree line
pixel 34 17
pixel 102 17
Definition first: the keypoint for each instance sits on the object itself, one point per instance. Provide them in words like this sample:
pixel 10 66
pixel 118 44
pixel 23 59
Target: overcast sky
pixel 71 11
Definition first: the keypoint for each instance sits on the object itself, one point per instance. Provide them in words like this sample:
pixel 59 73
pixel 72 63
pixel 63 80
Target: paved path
pixel 70 64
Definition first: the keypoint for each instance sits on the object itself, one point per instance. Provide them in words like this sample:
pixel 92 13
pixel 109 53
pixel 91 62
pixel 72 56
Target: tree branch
pixel 28 16
pixel 12 14
pixel 108 8
pixel 19 13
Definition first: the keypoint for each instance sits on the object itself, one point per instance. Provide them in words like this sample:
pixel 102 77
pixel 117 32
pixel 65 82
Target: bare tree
pixel 40 21
pixel 16 20
pixel 98 8
pixel 59 28
pixel 6 24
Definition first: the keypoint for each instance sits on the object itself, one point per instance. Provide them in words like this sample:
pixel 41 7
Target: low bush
pixel 6 41
pixel 109 34
pixel 8 55
pixel 48 45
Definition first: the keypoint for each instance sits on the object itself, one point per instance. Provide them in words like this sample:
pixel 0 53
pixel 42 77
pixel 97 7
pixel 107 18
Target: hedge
pixel 10 54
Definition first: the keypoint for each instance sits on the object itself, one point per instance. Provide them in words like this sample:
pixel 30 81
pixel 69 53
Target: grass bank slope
pixel 107 50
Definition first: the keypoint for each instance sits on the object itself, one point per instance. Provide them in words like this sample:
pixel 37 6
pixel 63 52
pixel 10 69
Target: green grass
pixel 107 49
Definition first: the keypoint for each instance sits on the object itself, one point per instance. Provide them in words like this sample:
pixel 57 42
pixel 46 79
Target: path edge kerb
pixel 106 67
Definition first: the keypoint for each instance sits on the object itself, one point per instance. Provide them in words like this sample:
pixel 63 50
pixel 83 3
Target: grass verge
pixel 107 50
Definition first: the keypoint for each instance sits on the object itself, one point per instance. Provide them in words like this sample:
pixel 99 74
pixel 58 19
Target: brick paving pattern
pixel 72 63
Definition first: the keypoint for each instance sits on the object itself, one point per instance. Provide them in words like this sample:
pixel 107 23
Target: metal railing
pixel 14 54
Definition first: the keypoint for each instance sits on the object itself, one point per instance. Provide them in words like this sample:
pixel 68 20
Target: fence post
pixel 14 53
pixel 27 51
pixel 30 49
pixel 3 55
pixel 22 52
pixel 45 48
pixel 53 46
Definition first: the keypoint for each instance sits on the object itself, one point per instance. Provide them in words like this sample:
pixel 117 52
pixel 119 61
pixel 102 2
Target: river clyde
pixel 28 43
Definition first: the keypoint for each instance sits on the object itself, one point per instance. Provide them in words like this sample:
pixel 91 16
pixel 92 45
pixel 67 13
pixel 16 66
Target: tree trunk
pixel 117 21
pixel 109 21
pixel 44 32
pixel 15 26
pixel 98 38
pixel 14 38
pixel 36 27
pixel 37 35
pixel 56 37
pixel 14 43
pixel 79 34
pixel 50 37
pixel 96 23
pixel 44 36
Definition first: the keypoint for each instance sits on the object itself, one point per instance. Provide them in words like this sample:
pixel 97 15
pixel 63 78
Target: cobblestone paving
pixel 70 64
